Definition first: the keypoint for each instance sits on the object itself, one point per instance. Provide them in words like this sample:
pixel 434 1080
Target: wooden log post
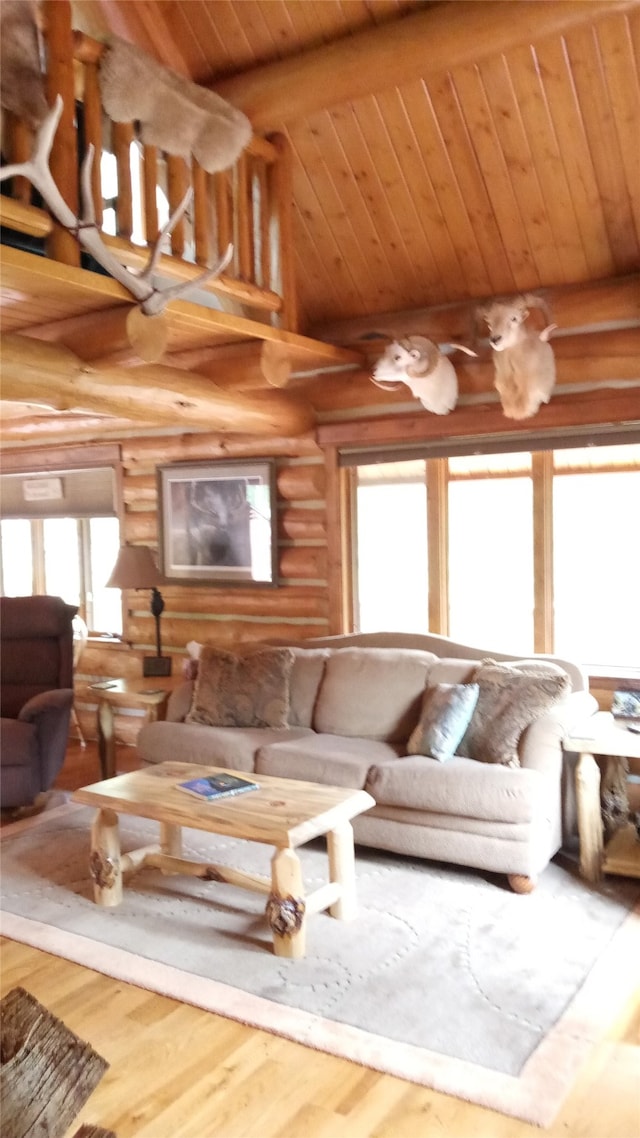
pixel 286 908
pixel 149 187
pixel 61 246
pixel 589 820
pixel 244 219
pixel 122 137
pixel 342 870
pixel 177 186
pixel 93 132
pixel 280 206
pixel 104 863
pixel 201 214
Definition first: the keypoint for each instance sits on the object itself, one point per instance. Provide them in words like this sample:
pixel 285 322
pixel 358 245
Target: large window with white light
pixel 60 534
pixel 530 552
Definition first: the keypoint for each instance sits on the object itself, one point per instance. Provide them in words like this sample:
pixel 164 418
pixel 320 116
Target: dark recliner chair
pixel 36 694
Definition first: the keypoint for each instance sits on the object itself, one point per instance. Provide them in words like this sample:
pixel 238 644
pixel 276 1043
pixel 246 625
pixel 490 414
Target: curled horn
pixel 533 301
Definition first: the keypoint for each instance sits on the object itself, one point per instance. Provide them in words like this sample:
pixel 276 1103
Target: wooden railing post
pixel 61 246
pixel 281 219
pixel 93 132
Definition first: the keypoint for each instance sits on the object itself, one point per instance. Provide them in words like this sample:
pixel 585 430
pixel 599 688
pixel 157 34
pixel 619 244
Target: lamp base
pixel 156 666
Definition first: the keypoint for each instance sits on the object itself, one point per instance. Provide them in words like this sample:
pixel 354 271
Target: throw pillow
pixel 511 696
pixel 242 690
pixel 445 715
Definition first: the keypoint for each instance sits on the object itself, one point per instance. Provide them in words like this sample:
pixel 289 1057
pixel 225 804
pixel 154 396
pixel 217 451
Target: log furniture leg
pixel 589 818
pixel 286 905
pixel 342 870
pixel 104 862
pixel 106 739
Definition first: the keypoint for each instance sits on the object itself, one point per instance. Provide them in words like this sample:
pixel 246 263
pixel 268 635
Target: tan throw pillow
pixel 445 715
pixel 511 697
pixel 242 690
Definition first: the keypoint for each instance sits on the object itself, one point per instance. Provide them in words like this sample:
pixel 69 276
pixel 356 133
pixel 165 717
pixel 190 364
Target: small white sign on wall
pixel 42 490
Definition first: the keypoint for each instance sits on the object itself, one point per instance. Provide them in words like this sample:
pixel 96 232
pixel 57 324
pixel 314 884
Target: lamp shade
pixel 135 568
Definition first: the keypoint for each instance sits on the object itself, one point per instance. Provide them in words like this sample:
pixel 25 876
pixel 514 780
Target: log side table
pixel 602 735
pixel 151 694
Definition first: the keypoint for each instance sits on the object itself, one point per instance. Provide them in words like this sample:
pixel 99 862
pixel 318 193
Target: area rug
pixel 446 978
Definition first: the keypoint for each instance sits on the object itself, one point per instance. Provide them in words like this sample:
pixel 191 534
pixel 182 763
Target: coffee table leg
pixel 342 870
pixel 286 905
pixel 104 862
pixel 171 839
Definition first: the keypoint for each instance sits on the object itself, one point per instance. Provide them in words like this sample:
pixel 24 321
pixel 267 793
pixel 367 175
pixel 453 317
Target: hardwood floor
pixel 178 1072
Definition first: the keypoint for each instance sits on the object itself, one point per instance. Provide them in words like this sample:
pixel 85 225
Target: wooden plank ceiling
pixel 442 153
pixel 518 171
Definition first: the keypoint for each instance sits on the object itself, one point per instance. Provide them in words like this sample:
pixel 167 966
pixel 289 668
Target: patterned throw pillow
pixel 242 690
pixel 511 697
pixel 444 717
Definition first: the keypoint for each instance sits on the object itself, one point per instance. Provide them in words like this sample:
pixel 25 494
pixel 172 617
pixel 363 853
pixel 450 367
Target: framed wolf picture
pixel 217 522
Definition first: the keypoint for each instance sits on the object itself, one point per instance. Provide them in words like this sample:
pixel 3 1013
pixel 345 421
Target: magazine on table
pixel 210 787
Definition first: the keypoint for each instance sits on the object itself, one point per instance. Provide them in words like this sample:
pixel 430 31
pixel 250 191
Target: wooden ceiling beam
pixel 599 303
pixel 416 46
pixel 37 372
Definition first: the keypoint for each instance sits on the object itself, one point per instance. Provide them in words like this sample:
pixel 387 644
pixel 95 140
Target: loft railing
pixel 248 206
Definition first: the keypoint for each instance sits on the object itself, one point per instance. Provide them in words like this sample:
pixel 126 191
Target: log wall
pixel 297 608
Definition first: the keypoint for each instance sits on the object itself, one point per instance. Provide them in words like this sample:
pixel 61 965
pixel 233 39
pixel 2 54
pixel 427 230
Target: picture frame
pixel 217 523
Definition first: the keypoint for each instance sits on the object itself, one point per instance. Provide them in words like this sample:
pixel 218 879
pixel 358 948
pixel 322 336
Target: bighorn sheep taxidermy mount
pixel 525 369
pixel 152 300
pixel 420 364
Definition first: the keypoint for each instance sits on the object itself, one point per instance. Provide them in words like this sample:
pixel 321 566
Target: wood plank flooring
pixel 178 1072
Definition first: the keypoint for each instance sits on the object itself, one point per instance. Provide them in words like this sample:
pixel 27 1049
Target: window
pixel 596 528
pixel 491 551
pixel 66 557
pixel 392 570
pixel 60 534
pixel 532 556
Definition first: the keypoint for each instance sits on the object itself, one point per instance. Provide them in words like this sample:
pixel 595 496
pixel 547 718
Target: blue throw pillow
pixel 444 718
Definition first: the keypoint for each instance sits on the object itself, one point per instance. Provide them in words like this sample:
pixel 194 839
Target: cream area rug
pixel 446 978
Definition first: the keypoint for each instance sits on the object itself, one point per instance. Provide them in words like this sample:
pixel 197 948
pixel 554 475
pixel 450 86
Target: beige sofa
pixel 354 701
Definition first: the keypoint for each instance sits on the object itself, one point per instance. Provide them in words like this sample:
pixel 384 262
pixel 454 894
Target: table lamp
pixel 135 568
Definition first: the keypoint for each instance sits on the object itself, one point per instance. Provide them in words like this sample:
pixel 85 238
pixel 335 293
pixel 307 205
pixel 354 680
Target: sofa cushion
pixel 372 693
pixel 511 697
pixel 329 759
pixel 461 786
pixel 163 742
pixel 249 690
pixel 444 717
pixel 306 676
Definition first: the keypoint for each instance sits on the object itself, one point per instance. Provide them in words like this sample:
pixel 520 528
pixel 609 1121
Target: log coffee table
pixel 283 813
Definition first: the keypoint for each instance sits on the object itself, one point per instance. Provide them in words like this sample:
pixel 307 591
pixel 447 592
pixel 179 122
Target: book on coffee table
pixel 210 787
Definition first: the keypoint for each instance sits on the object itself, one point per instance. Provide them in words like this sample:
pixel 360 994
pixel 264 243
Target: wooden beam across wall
pixel 416 46
pixel 610 302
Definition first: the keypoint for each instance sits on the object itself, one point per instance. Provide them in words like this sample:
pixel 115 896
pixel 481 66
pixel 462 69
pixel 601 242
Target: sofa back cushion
pixel 306 676
pixel 373 693
pixel 242 690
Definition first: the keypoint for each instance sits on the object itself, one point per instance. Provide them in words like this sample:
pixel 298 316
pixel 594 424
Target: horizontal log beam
pixel 156 396
pixel 601 303
pixel 416 46
pixel 583 409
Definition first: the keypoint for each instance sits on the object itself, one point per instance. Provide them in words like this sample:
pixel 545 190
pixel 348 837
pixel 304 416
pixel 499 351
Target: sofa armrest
pixel 49 712
pixel 541 744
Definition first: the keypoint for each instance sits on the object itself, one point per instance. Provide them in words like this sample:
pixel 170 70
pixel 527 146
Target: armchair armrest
pixel 46 701
pixel 50 713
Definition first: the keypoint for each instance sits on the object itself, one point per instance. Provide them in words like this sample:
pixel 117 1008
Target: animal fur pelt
pixel 21 78
pixel 174 114
pixel 420 364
